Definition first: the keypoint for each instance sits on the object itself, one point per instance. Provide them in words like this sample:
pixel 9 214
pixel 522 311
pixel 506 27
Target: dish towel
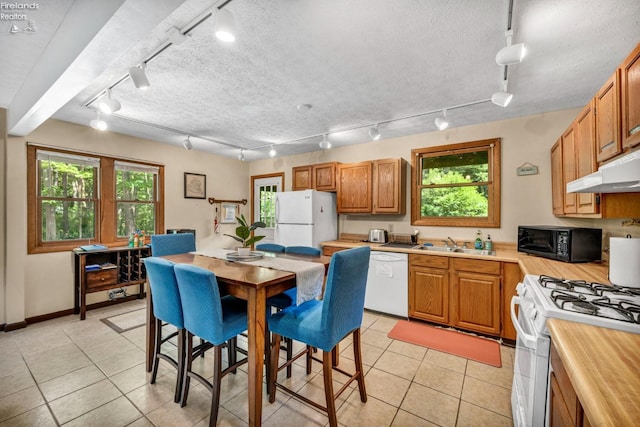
pixel 309 275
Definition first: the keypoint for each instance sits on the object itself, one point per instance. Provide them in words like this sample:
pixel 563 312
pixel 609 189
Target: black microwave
pixel 568 244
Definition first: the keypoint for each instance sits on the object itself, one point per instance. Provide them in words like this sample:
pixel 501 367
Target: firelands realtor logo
pixel 19 15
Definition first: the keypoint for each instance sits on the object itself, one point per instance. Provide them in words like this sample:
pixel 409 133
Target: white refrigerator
pixel 305 218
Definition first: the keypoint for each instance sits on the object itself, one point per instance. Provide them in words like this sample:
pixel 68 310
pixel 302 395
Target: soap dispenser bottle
pixel 478 242
pixel 488 244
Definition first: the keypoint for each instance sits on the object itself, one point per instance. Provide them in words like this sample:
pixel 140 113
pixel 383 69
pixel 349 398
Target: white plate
pixel 233 256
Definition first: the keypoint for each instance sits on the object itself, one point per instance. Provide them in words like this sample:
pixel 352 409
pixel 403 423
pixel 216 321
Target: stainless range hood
pixel 619 176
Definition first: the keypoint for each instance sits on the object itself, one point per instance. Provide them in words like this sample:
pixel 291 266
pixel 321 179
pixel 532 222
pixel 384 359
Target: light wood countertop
pixel 590 271
pixel 604 368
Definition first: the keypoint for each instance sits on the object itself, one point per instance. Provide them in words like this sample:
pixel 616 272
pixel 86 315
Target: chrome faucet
pixel 449 239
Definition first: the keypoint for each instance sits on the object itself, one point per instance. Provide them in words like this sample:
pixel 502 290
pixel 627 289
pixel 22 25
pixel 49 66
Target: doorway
pixel 263 197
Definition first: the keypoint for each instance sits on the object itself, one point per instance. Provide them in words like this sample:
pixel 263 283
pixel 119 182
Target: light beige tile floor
pixel 82 373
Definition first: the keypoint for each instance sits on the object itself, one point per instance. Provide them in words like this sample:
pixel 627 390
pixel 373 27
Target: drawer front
pixel 330 250
pixel 476 266
pixel 429 261
pixel 100 278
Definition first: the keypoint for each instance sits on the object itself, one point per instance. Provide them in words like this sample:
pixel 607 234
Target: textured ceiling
pixel 356 62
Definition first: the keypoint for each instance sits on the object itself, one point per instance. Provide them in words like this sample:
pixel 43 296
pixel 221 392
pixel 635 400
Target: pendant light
pixel 225 26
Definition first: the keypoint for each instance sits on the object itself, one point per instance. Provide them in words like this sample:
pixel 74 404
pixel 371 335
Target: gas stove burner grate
pixel 580 286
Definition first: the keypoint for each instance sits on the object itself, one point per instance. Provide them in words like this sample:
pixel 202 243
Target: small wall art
pixel 195 186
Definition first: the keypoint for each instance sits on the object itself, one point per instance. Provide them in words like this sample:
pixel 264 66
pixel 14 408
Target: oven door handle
pixel 528 340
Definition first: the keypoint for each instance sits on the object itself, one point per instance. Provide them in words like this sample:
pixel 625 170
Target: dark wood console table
pixel 117 267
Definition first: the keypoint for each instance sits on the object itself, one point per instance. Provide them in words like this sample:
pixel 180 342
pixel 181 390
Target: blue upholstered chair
pixel 167 308
pixel 323 324
pixel 270 247
pixel 302 250
pixel 170 244
pixel 213 318
pixel 289 297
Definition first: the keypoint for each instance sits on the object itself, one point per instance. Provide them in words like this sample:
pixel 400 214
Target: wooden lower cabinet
pixel 429 288
pixel 475 295
pixel 460 292
pixel 330 250
pixel 511 276
pixel 565 408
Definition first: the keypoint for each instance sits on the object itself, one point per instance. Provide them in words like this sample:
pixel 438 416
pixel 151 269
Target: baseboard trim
pixel 48 316
pixel 13 326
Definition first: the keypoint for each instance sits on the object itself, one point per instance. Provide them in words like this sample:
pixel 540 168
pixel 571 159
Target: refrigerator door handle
pixel 277 210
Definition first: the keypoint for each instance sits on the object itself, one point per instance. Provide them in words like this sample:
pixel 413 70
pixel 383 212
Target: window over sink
pixel 457 185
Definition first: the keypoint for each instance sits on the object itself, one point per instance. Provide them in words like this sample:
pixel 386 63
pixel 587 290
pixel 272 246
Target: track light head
pixel 187 144
pixel 511 54
pixel 241 155
pixel 139 77
pixel 272 152
pixel 109 105
pixel 501 99
pixel 441 122
pixel 225 26
pixel 374 133
pixel 98 123
pixel 325 144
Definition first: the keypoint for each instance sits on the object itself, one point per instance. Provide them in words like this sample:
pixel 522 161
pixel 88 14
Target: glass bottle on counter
pixel 488 244
pixel 478 242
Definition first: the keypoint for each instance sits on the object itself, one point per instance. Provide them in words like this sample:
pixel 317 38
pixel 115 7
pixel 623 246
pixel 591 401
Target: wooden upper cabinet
pixel 389 191
pixel 354 187
pixel 607 119
pixel 585 147
pixel 569 170
pixel 630 97
pixel 301 179
pixel 557 188
pixel 324 176
pixel 321 177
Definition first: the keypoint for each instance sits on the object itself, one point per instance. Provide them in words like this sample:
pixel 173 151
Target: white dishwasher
pixel 388 283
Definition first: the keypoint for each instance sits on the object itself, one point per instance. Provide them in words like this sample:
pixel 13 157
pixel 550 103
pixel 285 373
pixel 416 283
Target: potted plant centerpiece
pixel 243 235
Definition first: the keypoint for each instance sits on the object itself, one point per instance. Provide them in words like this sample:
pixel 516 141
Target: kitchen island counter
pixel 602 365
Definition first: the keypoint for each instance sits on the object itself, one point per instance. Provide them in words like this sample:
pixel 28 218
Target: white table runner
pixel 309 275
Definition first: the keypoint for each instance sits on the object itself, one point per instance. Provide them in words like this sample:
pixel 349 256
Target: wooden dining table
pixel 253 284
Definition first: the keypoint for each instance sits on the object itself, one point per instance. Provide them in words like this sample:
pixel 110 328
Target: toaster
pixel 377 235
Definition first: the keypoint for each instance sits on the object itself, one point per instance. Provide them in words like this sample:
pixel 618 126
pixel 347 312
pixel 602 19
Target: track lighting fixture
pixel 187 144
pixel 441 122
pixel 374 133
pixel 325 144
pixel 109 105
pixel 225 26
pixel 139 77
pixel 502 98
pixel 272 152
pixel 176 37
pixel 511 54
pixel 98 123
pixel 241 155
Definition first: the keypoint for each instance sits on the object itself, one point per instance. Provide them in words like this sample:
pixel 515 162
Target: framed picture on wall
pixel 195 186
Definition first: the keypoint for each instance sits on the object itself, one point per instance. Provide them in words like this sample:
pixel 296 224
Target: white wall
pixel 43 283
pixel 525 199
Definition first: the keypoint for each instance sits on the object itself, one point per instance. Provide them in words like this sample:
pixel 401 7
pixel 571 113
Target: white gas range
pixel 544 297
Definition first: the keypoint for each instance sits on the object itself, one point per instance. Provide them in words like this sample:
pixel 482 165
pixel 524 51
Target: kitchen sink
pixel 455 249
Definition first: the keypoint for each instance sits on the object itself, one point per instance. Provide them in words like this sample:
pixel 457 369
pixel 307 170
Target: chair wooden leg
pixel 289 344
pixel 357 357
pixel 181 361
pixel 273 369
pixel 156 350
pixel 215 391
pixel 309 359
pixel 187 368
pixel 327 372
pixel 232 355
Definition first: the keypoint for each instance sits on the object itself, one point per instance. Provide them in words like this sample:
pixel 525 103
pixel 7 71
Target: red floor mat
pixel 475 348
